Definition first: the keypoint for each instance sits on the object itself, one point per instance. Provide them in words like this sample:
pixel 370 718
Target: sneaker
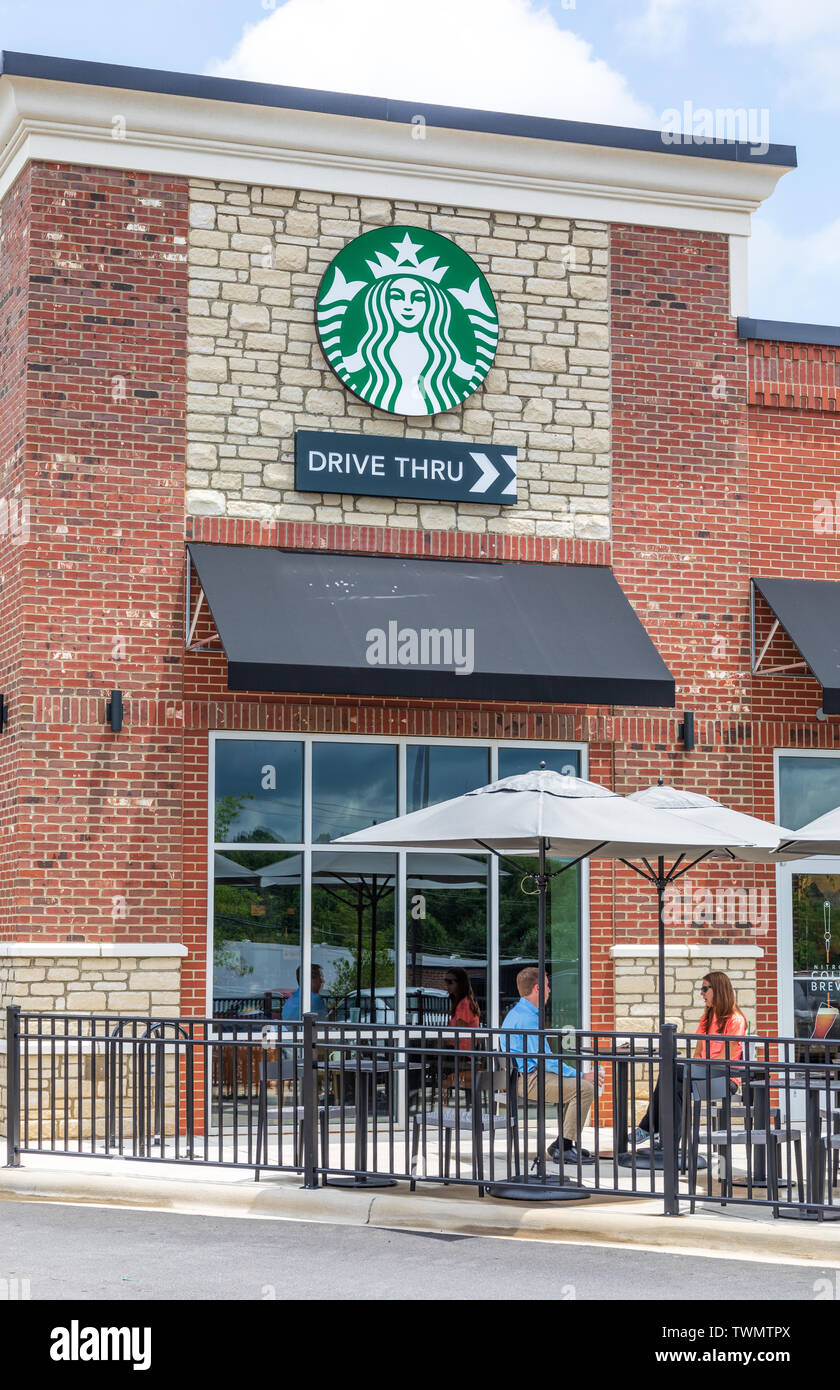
pixel 642 1136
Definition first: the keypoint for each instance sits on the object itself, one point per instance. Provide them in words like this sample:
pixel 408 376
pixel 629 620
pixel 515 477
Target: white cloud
pixel 803 38
pixel 794 276
pixel 498 55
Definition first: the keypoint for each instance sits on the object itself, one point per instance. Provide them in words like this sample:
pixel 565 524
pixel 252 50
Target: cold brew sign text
pixel 374 465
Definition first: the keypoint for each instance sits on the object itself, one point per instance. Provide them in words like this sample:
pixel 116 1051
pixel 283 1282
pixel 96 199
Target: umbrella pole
pixel 661 882
pixel 536 1188
pixel 542 884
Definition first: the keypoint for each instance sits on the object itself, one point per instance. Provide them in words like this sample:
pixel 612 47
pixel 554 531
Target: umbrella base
pixel 365 1181
pixel 524 1191
pixel 650 1159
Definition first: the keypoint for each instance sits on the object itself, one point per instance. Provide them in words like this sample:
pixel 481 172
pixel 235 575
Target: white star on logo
pixel 406 249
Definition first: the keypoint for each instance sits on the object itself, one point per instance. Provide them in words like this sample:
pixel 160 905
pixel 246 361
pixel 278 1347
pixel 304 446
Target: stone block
pixel 249 316
pixel 205 368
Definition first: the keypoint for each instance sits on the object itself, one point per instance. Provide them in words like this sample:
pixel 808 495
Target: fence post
pixel 13 1086
pixel 310 1102
pixel 667 1117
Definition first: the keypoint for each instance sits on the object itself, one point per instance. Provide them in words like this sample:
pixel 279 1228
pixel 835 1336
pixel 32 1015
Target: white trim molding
pixel 695 951
pixel 163 949
pixel 199 137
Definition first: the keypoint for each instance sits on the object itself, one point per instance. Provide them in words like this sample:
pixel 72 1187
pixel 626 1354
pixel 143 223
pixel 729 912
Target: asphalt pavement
pixel 56 1251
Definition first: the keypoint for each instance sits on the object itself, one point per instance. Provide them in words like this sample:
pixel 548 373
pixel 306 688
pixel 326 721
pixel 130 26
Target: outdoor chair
pixel 709 1086
pixel 491 1089
pixel 287 1069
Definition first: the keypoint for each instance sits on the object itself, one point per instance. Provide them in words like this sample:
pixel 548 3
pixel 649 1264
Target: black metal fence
pixel 629 1114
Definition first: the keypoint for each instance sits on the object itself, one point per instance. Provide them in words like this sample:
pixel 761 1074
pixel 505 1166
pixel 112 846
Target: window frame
pixel 306 848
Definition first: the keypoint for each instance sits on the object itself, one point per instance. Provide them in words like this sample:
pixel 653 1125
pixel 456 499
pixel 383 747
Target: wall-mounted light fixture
pixel 4 713
pixel 686 730
pixel 114 711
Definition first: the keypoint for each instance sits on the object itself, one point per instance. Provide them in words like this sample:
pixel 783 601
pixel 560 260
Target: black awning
pixel 809 612
pixel 377 625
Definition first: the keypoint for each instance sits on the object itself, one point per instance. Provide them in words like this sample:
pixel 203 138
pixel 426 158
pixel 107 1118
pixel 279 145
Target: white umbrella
pixel 545 812
pixel 820 836
pixel 695 809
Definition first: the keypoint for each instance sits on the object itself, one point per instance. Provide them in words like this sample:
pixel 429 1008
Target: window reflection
pixel 438 772
pixel 259 791
pixel 513 761
pixel 353 933
pixel 354 785
pixel 518 937
pixel 808 787
pixel 447 904
pixel 256 932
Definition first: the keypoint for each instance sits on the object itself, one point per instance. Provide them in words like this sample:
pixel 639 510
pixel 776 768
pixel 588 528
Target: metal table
pixel 366 1072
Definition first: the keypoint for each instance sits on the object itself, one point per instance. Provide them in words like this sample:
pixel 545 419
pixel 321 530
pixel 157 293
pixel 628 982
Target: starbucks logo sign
pixel 407 321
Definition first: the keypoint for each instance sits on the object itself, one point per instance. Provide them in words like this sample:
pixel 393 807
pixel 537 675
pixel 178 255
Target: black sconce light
pixel 686 730
pixel 4 713
pixel 114 711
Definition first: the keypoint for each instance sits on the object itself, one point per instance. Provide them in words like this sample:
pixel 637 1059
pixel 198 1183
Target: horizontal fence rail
pixel 365 1104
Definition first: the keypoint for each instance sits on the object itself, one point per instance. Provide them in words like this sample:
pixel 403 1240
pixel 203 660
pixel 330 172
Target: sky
pixel 622 62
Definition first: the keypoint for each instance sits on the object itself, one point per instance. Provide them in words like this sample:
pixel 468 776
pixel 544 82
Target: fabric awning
pixel 809 612
pixel 378 625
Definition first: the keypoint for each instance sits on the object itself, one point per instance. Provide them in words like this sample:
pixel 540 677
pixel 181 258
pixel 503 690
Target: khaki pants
pixel 562 1089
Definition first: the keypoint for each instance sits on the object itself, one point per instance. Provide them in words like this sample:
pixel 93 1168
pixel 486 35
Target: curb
pixel 598 1222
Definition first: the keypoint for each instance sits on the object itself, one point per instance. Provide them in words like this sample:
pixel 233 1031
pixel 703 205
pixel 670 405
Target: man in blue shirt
pixel 561 1081
pixel 291 1008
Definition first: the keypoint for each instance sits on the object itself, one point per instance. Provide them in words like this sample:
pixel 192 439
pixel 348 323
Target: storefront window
pixel 436 772
pixel 256 931
pixel 808 787
pixel 518 938
pixel 816 955
pixel 447 904
pixel 259 791
pixel 353 785
pixel 353 936
pixel 516 760
pixel 261 916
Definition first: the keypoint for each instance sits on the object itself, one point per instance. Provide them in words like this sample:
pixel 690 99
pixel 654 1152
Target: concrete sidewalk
pixel 601 1220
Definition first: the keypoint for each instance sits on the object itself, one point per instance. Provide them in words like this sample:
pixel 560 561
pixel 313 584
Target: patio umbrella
pixel 366 880
pixel 742 837
pixel 536 813
pixel 820 836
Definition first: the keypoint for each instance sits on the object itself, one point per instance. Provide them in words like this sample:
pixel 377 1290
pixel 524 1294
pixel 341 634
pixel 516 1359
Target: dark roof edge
pixel 385 109
pixel 776 330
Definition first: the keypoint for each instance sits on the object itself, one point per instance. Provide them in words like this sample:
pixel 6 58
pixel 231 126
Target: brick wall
pixel 101 606
pixel 15 506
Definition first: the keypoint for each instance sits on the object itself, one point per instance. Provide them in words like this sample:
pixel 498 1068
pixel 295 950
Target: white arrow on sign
pixel 489 472
pixel 510 490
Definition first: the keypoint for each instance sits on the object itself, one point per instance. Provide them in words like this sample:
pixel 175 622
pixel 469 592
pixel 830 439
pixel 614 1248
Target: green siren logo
pixel 407 321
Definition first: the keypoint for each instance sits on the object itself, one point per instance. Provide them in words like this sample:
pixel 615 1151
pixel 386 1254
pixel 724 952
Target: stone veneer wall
pixel 102 978
pixel 256 372
pixel 636 976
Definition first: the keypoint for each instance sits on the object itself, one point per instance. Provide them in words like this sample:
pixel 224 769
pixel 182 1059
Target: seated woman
pixel 722 1020
pixel 464 1013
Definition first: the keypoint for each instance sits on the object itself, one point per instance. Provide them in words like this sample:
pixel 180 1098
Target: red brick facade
pixel 724 453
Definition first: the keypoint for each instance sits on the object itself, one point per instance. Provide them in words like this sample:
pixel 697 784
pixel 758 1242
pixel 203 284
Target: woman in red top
pixel 722 1020
pixel 464 1008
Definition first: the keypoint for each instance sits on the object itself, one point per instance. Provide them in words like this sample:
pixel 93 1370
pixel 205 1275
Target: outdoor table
pixel 366 1071
pixel 814 1089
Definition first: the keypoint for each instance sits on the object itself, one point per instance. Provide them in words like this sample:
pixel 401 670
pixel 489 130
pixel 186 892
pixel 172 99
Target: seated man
pixel 317 1005
pixel 561 1083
